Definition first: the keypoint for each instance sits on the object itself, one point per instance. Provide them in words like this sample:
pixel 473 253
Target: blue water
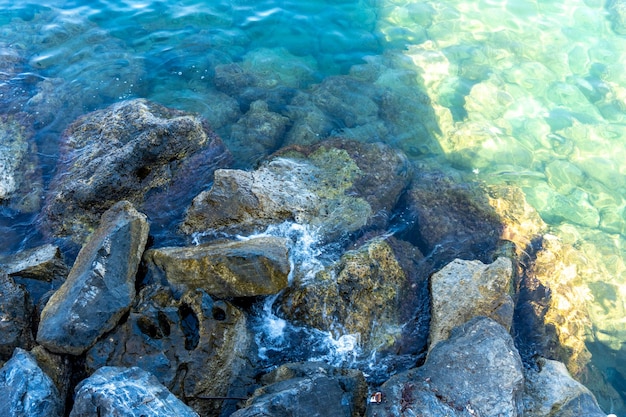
pixel 520 92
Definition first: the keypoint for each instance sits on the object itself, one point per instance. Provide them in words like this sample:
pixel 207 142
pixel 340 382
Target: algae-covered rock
pixel 338 187
pixel 195 346
pixel 100 287
pixel 246 268
pixel 463 290
pixel 376 292
pixel 16 309
pixel 153 156
pixel 476 372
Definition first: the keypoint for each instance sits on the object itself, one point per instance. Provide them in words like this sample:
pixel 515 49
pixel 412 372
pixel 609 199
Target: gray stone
pixel 195 346
pixel 101 284
pixel 16 309
pixel 26 391
pixel 126 392
pixel 463 290
pixel 246 268
pixel 476 372
pixel 308 389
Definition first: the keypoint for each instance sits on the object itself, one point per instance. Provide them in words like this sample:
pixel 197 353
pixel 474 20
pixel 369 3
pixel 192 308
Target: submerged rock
pixel 307 389
pixel 463 290
pixel 126 392
pixel 195 346
pixel 246 268
pixel 476 372
pixel 100 286
pixel 155 157
pixel 26 391
pixel 337 186
pixel 16 309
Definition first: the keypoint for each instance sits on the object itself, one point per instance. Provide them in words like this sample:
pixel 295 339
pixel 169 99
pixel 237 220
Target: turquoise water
pixel 528 93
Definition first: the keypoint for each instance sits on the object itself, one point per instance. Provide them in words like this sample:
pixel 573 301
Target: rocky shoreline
pixel 436 281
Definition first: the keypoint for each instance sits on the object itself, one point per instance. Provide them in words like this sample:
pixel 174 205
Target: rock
pixel 551 391
pixel 16 309
pixel 100 286
pixel 476 372
pixel 26 390
pixel 156 158
pixel 375 292
pixel 307 389
pixel 246 268
pixel 62 370
pixel 194 346
pixel 463 290
pixel 126 392
pixel 337 186
pixel 617 15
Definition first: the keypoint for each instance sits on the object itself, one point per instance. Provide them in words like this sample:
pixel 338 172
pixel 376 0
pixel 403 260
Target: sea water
pixel 521 92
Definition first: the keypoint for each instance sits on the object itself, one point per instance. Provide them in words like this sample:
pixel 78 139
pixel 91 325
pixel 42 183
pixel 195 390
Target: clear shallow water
pixel 530 93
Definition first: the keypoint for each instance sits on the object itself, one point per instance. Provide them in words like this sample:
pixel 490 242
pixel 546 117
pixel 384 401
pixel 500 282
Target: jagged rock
pixel 59 368
pixel 126 392
pixel 376 292
pixel 16 309
pixel 26 391
pixel 337 186
pixel 246 268
pixel 306 389
pixel 194 346
pixel 551 391
pixel 476 372
pixel 100 286
pixel 463 290
pixel 156 158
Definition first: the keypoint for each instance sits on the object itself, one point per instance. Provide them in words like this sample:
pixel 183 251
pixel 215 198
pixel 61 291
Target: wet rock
pixel 309 123
pixel 463 290
pixel 246 268
pixel 232 79
pixel 100 286
pixel 194 346
pixel 551 391
pixel 126 392
pixel 617 15
pixel 154 157
pixel 308 388
pixel 350 102
pixel 26 390
pixel 337 186
pixel 476 372
pixel 62 370
pixel 258 133
pixel 16 309
pixel 376 292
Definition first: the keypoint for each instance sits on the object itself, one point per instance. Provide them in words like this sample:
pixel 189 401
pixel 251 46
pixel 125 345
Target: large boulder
pixel 463 290
pixel 126 392
pixel 100 286
pixel 16 309
pixel 244 268
pixel 337 186
pixel 308 389
pixel 26 391
pixel 195 346
pixel 155 157
pixel 476 372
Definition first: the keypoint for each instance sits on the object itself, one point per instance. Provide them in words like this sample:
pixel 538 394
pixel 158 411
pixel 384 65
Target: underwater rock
pixel 16 309
pixel 347 100
pixel 463 290
pixel 376 292
pixel 476 372
pixel 126 392
pixel 307 389
pixel 26 391
pixel 337 186
pixel 551 391
pixel 194 346
pixel 245 268
pixel 258 133
pixel 309 123
pixel 617 15
pixel 100 286
pixel 156 158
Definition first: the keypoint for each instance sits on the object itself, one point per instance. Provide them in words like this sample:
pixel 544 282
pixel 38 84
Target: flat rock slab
pixel 126 392
pixel 245 268
pixel 100 287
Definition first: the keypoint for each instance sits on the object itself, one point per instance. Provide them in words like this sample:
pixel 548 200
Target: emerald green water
pixel 528 93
